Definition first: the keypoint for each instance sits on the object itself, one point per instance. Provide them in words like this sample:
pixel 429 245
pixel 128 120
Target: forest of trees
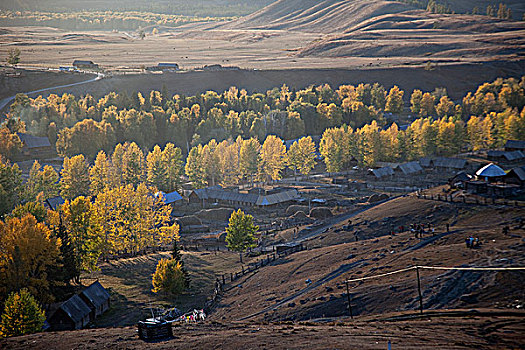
pixel 102 20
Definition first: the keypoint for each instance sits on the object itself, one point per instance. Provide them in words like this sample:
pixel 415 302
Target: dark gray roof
pixel 519 171
pixel 31 141
pixel 75 308
pixel 75 62
pixel 381 172
pixel 217 193
pixel 54 202
pixel 410 168
pixel 461 176
pixel 515 144
pixel 96 294
pixel 425 162
pixel 514 155
pixel 454 163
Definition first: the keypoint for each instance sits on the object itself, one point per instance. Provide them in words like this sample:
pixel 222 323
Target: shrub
pixel 22 315
pixel 169 277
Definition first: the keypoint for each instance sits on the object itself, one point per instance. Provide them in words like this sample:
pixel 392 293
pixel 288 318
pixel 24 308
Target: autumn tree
pixel 240 232
pixel 172 158
pixel 74 180
pixel 22 315
pixel 10 186
pixel 272 157
pixel 301 155
pixel 394 100
pixel 169 278
pixel 13 56
pixel 248 157
pixel 28 252
pixel 10 143
pixel 195 168
pixel 84 232
pixel 335 148
pixel 41 181
pixel 100 174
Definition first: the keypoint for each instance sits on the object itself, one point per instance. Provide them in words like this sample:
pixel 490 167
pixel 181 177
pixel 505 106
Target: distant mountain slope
pixel 325 16
pixel 388 28
pixel 419 33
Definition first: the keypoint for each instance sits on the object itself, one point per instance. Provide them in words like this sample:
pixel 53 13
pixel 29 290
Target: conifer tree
pixel 22 315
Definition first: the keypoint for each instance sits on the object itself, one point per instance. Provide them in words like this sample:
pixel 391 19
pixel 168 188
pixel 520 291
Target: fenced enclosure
pixel 446 291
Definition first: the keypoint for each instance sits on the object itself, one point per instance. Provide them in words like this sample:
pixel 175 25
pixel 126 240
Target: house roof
pixel 31 141
pixel 174 65
pixel 490 170
pixel 82 62
pixel 96 294
pixel 75 308
pixel 514 155
pixel 515 144
pixel 381 172
pixel 425 162
pixel 454 163
pixel 461 176
pixel 169 198
pixel 54 202
pixel 277 198
pixel 519 172
pixel 410 168
pixel 218 193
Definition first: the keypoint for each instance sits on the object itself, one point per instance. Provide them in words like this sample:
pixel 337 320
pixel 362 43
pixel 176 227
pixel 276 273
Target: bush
pixel 22 315
pixel 169 277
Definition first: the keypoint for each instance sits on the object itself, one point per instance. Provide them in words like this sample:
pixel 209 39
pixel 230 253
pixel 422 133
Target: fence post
pixel 223 279
pixel 242 270
pixel 419 291
pixel 231 277
pixel 349 301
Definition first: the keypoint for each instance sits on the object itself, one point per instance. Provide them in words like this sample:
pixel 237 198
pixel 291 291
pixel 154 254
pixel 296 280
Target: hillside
pixel 281 291
pixel 326 16
pixel 383 28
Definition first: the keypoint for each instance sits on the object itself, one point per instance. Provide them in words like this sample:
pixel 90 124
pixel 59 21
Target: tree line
pixel 99 20
pixel 188 121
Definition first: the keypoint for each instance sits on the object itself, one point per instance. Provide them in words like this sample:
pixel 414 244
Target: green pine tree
pixel 22 315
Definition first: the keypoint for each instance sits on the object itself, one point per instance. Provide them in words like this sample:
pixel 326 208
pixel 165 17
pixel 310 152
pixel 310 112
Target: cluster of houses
pixel 255 197
pixel 417 167
pixel 80 309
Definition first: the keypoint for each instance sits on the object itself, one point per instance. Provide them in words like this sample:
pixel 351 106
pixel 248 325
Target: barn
pixel 410 168
pixel 35 146
pixel 96 298
pixel 173 198
pixel 450 163
pixel 72 314
pixel 383 172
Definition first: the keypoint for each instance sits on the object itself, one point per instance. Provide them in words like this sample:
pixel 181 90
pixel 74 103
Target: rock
pixel 329 289
pixel 291 304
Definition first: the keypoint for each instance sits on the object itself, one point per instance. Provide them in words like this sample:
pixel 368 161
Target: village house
pixel 383 172
pixel 84 64
pixel 35 146
pixel 173 198
pixel 96 298
pixel 410 168
pixel 72 314
pixel 515 145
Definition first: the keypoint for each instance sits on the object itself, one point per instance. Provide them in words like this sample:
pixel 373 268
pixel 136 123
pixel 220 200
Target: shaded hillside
pixel 419 33
pixel 326 16
pixel 310 284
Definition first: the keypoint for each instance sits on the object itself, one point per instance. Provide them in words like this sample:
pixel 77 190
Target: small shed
pixel 516 176
pixel 54 203
pixel 84 64
pixel 35 146
pixel 459 179
pixel 515 145
pixel 383 172
pixel 72 314
pixel 450 163
pixel 170 198
pixel 410 168
pixel 97 298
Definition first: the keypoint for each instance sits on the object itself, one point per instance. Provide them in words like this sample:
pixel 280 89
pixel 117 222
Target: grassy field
pixel 129 282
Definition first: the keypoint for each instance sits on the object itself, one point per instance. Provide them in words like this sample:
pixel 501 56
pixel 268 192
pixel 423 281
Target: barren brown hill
pixel 388 29
pixel 327 16
pixel 309 285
